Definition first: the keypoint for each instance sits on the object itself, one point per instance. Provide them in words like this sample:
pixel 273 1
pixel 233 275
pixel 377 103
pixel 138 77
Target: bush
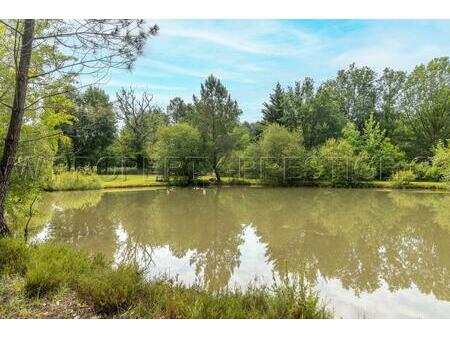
pixel 53 266
pixel 14 256
pixel 279 157
pixel 111 290
pixel 177 148
pixel 425 172
pixel 403 178
pixel 73 181
pixel 441 162
pixel 336 161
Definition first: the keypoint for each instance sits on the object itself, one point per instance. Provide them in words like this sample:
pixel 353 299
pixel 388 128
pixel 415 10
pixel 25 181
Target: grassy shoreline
pixel 148 181
pixel 55 281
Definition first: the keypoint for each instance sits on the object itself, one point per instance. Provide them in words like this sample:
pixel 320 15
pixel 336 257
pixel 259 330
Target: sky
pixel 251 56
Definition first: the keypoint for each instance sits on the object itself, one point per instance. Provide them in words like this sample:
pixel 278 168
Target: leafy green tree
pixel 298 106
pixel 357 93
pixel 390 90
pixel 283 155
pixel 383 155
pixel 326 119
pixel 94 130
pixel 336 161
pixel 177 110
pixel 180 143
pixel 426 106
pixel 216 115
pixel 351 134
pixel 273 110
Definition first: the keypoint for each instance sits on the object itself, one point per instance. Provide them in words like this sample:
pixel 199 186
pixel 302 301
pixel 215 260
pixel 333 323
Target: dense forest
pixel 358 126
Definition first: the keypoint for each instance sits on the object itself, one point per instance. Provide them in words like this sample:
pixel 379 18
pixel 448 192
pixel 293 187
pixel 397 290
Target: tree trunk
pixel 15 123
pixel 216 171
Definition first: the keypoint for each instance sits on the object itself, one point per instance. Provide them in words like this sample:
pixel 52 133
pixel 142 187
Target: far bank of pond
pixel 369 252
pixel 77 181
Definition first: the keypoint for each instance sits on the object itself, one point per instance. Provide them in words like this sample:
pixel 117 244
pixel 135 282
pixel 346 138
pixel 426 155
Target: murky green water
pixel 369 253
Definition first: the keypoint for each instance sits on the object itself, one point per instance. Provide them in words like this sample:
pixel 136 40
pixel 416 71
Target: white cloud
pixel 261 37
pixel 141 85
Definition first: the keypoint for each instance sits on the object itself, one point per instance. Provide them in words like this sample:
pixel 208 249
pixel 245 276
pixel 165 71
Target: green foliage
pixel 94 129
pixel 110 290
pixel 13 256
pixel 390 89
pixel 284 300
pixel 142 119
pixel 441 161
pixel 403 178
pixel 283 155
pixel 427 105
pixel 177 149
pixel 215 115
pixel 273 111
pixel 53 266
pixel 351 134
pixel 425 172
pixel 383 155
pixel 357 93
pixel 337 162
pixel 73 180
pixel 177 110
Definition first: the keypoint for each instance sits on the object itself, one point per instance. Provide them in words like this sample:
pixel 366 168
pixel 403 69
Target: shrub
pixel 111 290
pixel 178 148
pixel 441 162
pixel 337 162
pixel 403 178
pixel 53 266
pixel 73 181
pixel 279 157
pixel 425 172
pixel 14 256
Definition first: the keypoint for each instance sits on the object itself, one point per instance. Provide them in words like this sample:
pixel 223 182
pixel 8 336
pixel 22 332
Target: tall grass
pixel 73 181
pixel 124 292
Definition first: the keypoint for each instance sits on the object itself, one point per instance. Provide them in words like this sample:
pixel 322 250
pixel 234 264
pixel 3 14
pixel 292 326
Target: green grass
pixel 73 181
pixel 49 275
pixel 411 185
pixel 130 181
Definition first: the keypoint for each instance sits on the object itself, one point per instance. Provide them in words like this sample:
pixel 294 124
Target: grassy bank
pixel 79 181
pixel 54 281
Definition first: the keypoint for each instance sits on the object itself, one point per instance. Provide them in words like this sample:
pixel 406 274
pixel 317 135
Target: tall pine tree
pixel 273 110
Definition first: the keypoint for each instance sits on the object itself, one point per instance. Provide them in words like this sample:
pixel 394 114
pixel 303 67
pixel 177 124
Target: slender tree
pixel 216 115
pixel 17 111
pixel 74 47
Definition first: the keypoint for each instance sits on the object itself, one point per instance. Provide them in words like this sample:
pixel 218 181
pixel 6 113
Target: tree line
pixel 356 126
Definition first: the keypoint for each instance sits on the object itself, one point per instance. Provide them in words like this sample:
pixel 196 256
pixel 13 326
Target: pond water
pixel 370 253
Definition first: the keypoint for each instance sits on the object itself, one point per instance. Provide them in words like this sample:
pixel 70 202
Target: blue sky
pixel 250 56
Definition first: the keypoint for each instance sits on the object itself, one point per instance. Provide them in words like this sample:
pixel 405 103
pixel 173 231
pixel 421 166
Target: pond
pixel 370 253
